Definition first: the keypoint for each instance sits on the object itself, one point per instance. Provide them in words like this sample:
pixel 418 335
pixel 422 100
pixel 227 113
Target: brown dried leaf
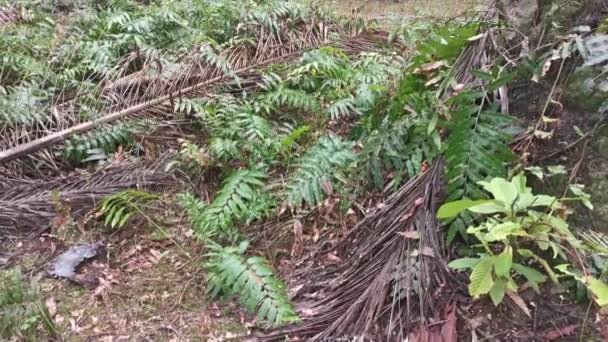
pixel 155 256
pixel 328 187
pixel 560 332
pixel 426 68
pixel 51 306
pixel 297 247
pixel 448 329
pixel 412 234
pixel 433 81
pixel 519 302
pixel 333 257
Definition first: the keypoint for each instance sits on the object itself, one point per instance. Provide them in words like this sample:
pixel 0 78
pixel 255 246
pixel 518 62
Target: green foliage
pixel 597 287
pixel 518 231
pixel 21 311
pixel 476 150
pixel 191 159
pixel 23 105
pixel 312 177
pixel 98 144
pixel 253 280
pixel 238 192
pixel 117 209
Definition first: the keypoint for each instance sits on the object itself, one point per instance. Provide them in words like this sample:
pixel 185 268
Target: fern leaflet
pixel 316 169
pixel 477 149
pixel 231 273
pixel 231 202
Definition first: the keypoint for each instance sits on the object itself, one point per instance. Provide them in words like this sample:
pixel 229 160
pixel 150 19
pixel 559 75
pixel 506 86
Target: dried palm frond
pixel 27 206
pixel 387 285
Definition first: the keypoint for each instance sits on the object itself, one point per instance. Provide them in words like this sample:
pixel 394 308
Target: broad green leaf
pixel 504 261
pixel 541 261
pixel 452 209
pixel 501 189
pixel 463 263
pixel 533 276
pixel 504 230
pixel 555 170
pixel 481 277
pixel 489 207
pixel 497 293
pixel 536 171
pixel 599 290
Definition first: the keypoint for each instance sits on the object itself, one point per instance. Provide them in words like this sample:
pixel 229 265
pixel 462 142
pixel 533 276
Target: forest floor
pixel 147 283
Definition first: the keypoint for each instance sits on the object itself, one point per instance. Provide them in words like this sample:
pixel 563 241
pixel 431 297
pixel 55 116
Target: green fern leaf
pixel 231 201
pixel 253 280
pixel 316 170
pixel 476 150
pixel 118 208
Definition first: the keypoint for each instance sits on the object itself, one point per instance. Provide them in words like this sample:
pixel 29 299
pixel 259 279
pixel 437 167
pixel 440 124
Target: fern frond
pixel 400 147
pixel 343 108
pixel 225 149
pixel 117 209
pixel 476 150
pixel 312 178
pixel 92 145
pixel 253 280
pixel 231 202
pixel 293 98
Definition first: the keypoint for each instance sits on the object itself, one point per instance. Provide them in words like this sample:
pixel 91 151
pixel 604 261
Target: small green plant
pixel 253 280
pixel 117 209
pixel 514 230
pixel 21 311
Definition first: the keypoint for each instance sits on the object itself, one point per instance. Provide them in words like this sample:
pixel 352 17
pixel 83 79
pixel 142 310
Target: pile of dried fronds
pixel 28 206
pixel 390 279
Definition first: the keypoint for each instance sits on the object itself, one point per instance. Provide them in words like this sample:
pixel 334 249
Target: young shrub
pixel 519 226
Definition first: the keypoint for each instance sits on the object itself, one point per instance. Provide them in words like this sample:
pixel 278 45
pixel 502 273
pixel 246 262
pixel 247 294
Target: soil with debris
pixel 144 286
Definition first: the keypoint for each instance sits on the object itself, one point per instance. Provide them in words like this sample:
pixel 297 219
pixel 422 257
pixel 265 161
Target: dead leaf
pixel 333 257
pixel 297 247
pixel 519 302
pixel 433 81
pixel 458 88
pixel 155 256
pixel 327 187
pixel 543 135
pixel 560 332
pixel 412 234
pixel 316 233
pixel 448 330
pixel 51 306
pixel 428 251
pixel 426 68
